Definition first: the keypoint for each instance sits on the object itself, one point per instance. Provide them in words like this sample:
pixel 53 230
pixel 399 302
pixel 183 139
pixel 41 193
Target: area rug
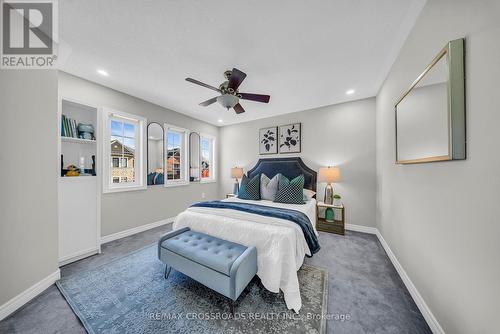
pixel 130 295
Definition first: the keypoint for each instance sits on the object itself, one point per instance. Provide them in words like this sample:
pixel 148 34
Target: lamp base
pixel 236 188
pixel 328 194
pixel 329 215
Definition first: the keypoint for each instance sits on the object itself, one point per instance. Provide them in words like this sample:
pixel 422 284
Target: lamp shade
pixel 236 172
pixel 329 174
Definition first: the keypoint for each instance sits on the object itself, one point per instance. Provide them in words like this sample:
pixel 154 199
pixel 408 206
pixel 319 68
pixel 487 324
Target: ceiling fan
pixel 230 97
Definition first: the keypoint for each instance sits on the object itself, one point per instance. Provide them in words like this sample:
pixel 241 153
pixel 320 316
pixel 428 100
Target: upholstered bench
pixel 223 266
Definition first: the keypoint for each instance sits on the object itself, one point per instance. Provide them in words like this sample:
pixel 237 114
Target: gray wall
pixel 125 210
pixel 342 135
pixel 28 165
pixel 442 219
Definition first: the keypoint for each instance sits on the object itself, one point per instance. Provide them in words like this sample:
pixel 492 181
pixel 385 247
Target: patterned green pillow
pixel 290 191
pixel 250 188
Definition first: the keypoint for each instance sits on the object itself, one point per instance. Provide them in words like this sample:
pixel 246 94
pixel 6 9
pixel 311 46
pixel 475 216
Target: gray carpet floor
pixel 366 295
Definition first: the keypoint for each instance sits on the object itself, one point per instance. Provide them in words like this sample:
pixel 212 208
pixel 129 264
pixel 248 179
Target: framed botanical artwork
pixel 268 140
pixel 290 138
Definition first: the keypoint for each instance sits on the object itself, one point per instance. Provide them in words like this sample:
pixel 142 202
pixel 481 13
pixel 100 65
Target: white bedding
pixel 280 244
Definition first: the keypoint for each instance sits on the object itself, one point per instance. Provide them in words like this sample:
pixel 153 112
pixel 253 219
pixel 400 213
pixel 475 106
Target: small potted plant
pixel 337 200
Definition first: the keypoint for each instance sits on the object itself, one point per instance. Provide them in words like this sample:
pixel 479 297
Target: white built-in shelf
pixel 79 196
pixel 77 140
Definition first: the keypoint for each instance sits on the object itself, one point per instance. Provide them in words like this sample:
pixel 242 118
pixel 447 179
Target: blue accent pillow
pixel 151 178
pixel 159 178
pixel 290 192
pixel 250 188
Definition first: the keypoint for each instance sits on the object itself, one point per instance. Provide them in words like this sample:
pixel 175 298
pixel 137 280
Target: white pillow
pixel 268 187
pixel 308 194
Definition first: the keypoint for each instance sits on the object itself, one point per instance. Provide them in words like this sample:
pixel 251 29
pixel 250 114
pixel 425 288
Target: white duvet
pixel 280 244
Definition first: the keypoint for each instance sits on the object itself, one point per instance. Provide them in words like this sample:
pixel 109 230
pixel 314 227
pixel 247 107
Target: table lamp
pixel 236 173
pixel 329 175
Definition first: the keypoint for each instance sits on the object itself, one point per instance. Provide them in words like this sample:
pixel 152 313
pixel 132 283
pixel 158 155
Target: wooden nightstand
pixel 337 226
pixel 230 195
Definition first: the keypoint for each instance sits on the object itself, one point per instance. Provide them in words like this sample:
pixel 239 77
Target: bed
pixel 281 244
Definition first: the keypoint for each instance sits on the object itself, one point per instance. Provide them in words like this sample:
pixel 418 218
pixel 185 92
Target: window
pixel 123 151
pixel 175 155
pixel 207 158
pixel 120 162
pixel 123 148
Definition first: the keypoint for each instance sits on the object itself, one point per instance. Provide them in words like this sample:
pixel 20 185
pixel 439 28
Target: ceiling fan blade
pixel 236 79
pixel 255 97
pixel 209 102
pixel 239 109
pixel 196 82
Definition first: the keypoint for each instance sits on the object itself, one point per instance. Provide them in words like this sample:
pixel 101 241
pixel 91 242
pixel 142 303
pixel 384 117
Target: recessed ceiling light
pixel 103 73
pixel 220 121
pixel 350 92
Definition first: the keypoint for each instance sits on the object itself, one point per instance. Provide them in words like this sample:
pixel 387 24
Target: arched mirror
pixel 155 154
pixel 194 157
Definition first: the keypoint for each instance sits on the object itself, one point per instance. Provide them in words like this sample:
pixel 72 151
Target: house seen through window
pixel 207 158
pixel 174 157
pixel 123 150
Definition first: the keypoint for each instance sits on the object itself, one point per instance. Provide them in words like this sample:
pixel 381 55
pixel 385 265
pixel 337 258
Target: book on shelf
pixel 69 127
pixel 66 124
pixel 64 128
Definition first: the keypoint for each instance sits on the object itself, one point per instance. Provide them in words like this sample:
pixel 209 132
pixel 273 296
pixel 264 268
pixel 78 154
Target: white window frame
pixel 184 180
pixel 213 167
pixel 140 151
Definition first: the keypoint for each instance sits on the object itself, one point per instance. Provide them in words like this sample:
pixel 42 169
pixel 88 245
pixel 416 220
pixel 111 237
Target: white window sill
pixel 176 184
pixel 156 185
pixel 208 181
pixel 122 189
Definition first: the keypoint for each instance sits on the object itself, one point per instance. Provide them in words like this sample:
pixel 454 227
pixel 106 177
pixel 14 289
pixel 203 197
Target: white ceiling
pixel 305 54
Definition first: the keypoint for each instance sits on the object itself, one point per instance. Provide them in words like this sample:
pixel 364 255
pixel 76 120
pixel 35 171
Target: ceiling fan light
pixel 228 101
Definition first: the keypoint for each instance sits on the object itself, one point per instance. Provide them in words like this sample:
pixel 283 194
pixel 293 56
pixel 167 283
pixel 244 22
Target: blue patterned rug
pixel 130 295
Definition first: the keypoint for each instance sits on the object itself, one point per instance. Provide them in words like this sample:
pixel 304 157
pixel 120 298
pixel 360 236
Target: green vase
pixel 329 215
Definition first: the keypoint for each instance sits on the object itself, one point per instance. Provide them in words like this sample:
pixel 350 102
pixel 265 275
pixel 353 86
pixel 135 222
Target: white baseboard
pixel 15 303
pixel 422 306
pixel 360 228
pixel 135 230
pixel 78 256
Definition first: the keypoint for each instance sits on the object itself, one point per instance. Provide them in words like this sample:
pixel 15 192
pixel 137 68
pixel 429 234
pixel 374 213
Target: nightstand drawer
pixel 335 227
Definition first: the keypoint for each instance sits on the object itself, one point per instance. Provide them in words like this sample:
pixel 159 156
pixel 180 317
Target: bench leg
pixel 167 271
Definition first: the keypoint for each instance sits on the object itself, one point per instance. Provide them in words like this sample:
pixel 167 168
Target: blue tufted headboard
pixel 289 167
